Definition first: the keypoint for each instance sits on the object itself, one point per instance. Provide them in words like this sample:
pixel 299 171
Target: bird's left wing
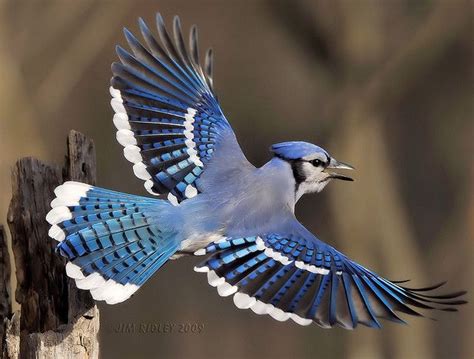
pixel 167 116
pixel 302 278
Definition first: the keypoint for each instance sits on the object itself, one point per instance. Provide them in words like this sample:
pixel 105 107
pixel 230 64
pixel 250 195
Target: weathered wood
pixel 5 300
pixel 57 320
pixel 80 166
pixel 80 161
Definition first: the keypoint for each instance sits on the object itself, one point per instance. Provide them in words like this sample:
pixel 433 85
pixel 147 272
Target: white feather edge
pixel 132 152
pixel 188 133
pixel 173 199
pixel 107 290
pixel 271 253
pixel 285 260
pixel 56 233
pixel 127 139
pixel 140 171
pixel 68 194
pixel 190 191
pixel 244 301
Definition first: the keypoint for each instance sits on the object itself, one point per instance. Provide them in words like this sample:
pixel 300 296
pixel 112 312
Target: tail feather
pixel 112 244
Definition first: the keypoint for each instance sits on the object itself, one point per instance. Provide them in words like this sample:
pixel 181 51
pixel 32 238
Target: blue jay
pixel 217 204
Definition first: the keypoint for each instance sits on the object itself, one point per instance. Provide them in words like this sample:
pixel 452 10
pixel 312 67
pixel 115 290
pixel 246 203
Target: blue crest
pixel 296 149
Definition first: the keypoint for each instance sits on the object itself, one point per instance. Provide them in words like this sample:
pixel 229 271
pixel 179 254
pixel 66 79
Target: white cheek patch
pixel 311 173
pixel 314 179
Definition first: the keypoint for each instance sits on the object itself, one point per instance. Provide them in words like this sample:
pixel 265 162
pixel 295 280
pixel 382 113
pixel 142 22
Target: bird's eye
pixel 317 163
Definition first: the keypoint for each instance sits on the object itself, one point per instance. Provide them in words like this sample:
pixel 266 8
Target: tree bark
pixel 5 299
pixel 56 320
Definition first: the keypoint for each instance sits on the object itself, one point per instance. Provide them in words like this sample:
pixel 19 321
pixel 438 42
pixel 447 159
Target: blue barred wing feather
pixel 166 113
pixel 306 280
pixel 112 243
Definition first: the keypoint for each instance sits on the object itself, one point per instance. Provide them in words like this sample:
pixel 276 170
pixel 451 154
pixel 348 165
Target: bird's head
pixel 311 165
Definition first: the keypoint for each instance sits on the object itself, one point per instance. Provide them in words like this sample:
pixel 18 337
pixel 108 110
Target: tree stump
pixel 57 320
pixel 5 300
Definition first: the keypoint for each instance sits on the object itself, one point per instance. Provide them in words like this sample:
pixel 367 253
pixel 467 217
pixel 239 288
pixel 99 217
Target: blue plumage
pixel 345 295
pixel 173 130
pixel 296 149
pixel 110 234
pixel 171 121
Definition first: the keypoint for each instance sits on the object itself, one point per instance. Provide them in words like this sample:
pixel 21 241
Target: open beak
pixel 334 164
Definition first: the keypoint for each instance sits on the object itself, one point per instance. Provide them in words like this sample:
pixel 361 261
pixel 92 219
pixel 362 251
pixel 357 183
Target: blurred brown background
pixel 383 85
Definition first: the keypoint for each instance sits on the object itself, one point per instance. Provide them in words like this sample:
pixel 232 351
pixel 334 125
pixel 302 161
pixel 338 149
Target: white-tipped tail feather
pixel 56 233
pixel 58 215
pixel 68 194
pixel 107 290
pixel 74 271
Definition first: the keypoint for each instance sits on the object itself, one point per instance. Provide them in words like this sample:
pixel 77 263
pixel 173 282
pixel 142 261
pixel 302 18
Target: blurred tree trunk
pixel 387 244
pixel 363 137
pixel 56 320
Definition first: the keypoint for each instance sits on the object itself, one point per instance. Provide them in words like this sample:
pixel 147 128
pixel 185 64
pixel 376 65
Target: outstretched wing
pixel 166 113
pixel 302 278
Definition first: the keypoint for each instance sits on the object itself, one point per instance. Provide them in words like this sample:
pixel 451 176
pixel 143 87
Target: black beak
pixel 340 177
pixel 339 165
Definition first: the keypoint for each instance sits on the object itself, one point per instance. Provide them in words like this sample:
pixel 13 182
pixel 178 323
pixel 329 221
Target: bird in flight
pixel 214 203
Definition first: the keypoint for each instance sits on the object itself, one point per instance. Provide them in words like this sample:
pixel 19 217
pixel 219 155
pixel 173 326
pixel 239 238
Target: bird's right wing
pixel 167 116
pixel 302 278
